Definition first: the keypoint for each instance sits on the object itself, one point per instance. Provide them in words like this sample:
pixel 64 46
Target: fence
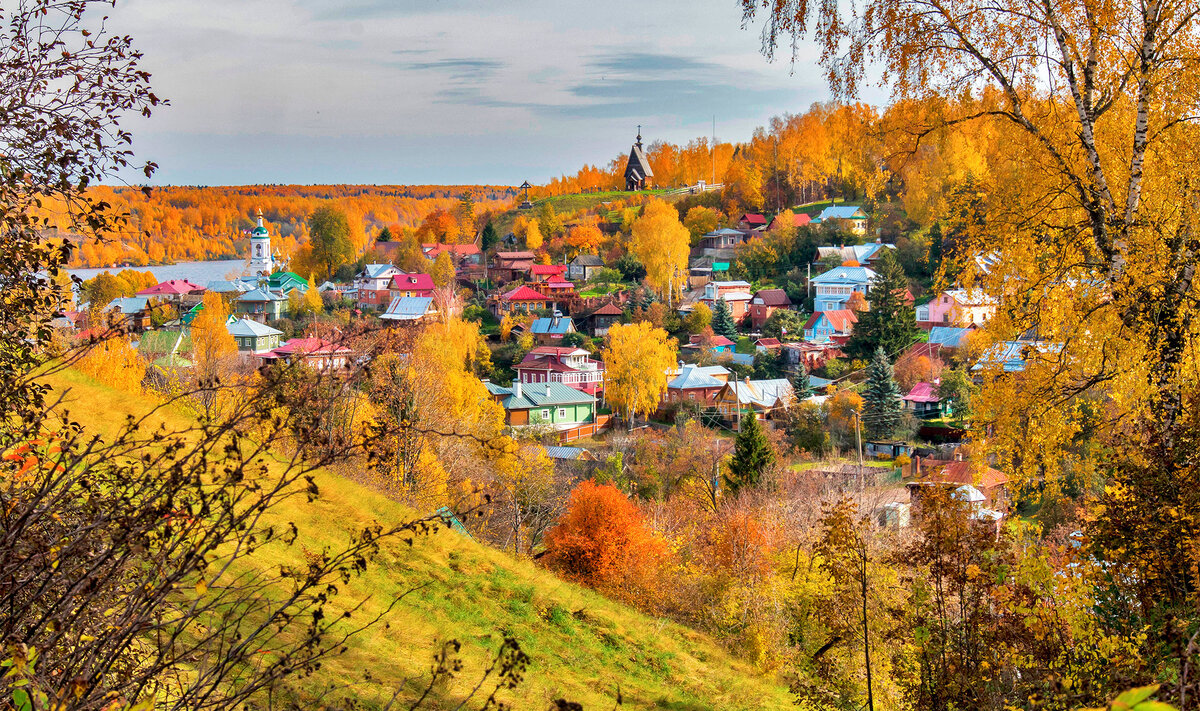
pixel 602 423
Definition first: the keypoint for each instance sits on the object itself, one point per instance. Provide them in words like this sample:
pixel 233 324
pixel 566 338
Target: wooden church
pixel 637 168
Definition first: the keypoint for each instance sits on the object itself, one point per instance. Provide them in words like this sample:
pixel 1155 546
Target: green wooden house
pixel 554 404
pixel 253 336
pixel 261 305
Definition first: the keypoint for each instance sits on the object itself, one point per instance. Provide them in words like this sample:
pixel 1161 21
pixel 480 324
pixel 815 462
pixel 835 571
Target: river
pixel 196 272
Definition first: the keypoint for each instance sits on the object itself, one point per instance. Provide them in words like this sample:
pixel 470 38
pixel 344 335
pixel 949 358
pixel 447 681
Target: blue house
pixel 827 325
pixel 852 214
pixel 835 286
pixel 549 330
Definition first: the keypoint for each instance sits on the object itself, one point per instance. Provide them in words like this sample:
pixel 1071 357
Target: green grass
pixel 582 644
pixel 744 345
pixel 867 462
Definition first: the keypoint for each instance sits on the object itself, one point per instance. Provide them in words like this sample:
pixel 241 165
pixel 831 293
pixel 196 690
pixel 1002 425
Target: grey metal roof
pixel 694 377
pixel 587 260
pixel 407 308
pixel 128 304
pixel 765 393
pixel 570 453
pixel 247 328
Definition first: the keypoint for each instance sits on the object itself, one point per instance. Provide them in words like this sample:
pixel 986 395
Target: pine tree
pixel 881 404
pixel 722 320
pixel 801 385
pixel 891 322
pixel 752 455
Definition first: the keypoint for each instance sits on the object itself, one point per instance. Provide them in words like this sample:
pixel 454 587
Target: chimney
pixel 517 388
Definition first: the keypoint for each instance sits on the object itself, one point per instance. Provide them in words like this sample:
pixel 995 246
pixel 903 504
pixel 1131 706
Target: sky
pixel 443 91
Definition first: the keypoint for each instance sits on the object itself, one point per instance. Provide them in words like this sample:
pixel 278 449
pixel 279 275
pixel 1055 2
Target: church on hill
pixel 637 169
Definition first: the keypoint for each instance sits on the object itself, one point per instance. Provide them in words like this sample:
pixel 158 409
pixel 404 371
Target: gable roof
pixel 128 304
pixel 568 453
pixel 432 250
pixel 692 377
pixel 247 328
pixel 768 342
pixel 534 395
pixel 171 287
pixel 378 271
pixel 222 286
pixel 948 336
pixel 840 319
pixel 792 219
pixel 407 308
pixel 413 282
pixel 922 392
pixel 609 309
pixel 764 393
pixel 523 293
pixel 552 325
pixel 845 275
pixel 772 297
pixel 514 255
pixel 547 268
pixel 587 260
pixel 841 212
pixel 968 474
pixel 753 218
pixel 638 164
pixel 260 295
pixel 310 346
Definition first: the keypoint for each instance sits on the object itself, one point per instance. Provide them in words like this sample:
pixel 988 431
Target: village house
pixel 991 483
pixel 696 383
pixel 371 285
pixel 735 293
pixel 461 254
pixel 520 300
pixel 765 398
pixel 864 254
pixel 546 272
pixel 834 287
pixel 716 345
pixel 787 218
pixel 751 221
pixel 767 345
pixel 549 330
pixel 923 402
pixel 285 282
pixel 597 321
pixel 262 305
pixel 572 367
pixel 510 266
pixel 957 307
pixel 584 267
pixel 314 352
pixel 549 403
pixel 851 216
pixel 701 270
pixel 409 310
pixel 836 325
pixel 724 238
pixel 131 313
pixel 184 294
pixel 810 356
pixel 765 303
pixel 252 336
pixel 556 288
pixel 409 285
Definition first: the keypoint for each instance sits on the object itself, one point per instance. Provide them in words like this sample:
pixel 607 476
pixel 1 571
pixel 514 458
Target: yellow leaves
pixel 115 363
pixel 661 242
pixel 637 357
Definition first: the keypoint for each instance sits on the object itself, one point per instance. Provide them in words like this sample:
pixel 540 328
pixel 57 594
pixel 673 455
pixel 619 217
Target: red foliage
pixel 602 539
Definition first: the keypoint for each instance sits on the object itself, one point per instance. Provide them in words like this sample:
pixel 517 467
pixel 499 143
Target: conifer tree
pixel 881 403
pixel 488 237
pixel 752 455
pixel 891 322
pixel 801 385
pixel 722 320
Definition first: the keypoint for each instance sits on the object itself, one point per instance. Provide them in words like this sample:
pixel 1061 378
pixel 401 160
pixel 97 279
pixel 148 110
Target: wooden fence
pixel 602 423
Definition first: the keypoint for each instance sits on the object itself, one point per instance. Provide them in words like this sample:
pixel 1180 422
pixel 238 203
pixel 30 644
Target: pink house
pixel 403 285
pixel 957 307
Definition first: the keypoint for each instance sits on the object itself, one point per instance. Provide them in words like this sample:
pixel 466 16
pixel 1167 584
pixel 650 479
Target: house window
pixel 562 413
pixel 545 414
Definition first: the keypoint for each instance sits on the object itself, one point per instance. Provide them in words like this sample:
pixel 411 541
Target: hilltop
pixel 583 645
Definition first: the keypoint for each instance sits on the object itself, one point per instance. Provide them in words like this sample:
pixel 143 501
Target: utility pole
pixel 808 282
pixel 866 629
pixel 858 441
pixel 712 150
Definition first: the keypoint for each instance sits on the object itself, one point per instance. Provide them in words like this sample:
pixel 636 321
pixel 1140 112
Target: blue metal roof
pixel 559 325
pixel 948 336
pixel 407 308
pixel 841 212
pixel 845 275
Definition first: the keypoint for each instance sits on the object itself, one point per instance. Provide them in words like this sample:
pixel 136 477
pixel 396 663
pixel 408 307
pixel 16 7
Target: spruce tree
pixel 752 455
pixel 881 404
pixel 891 322
pixel 488 238
pixel 801 385
pixel 722 320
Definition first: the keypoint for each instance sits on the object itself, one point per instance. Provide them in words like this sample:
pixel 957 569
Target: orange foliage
pixel 602 539
pixel 176 223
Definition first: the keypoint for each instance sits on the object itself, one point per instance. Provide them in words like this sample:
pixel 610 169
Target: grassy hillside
pixel 568 203
pixel 582 644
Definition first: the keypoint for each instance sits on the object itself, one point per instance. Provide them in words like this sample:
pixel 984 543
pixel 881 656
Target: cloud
pixel 458 69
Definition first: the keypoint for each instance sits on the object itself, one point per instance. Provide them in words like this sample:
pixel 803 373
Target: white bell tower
pixel 261 261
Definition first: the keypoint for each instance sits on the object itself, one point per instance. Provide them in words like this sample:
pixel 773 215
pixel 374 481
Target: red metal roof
pixel 411 282
pixel 609 309
pixel 547 269
pixel 922 392
pixel 310 346
pixel 171 287
pixel 767 342
pixel 753 218
pixel 523 293
pixel 773 297
pixel 432 250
